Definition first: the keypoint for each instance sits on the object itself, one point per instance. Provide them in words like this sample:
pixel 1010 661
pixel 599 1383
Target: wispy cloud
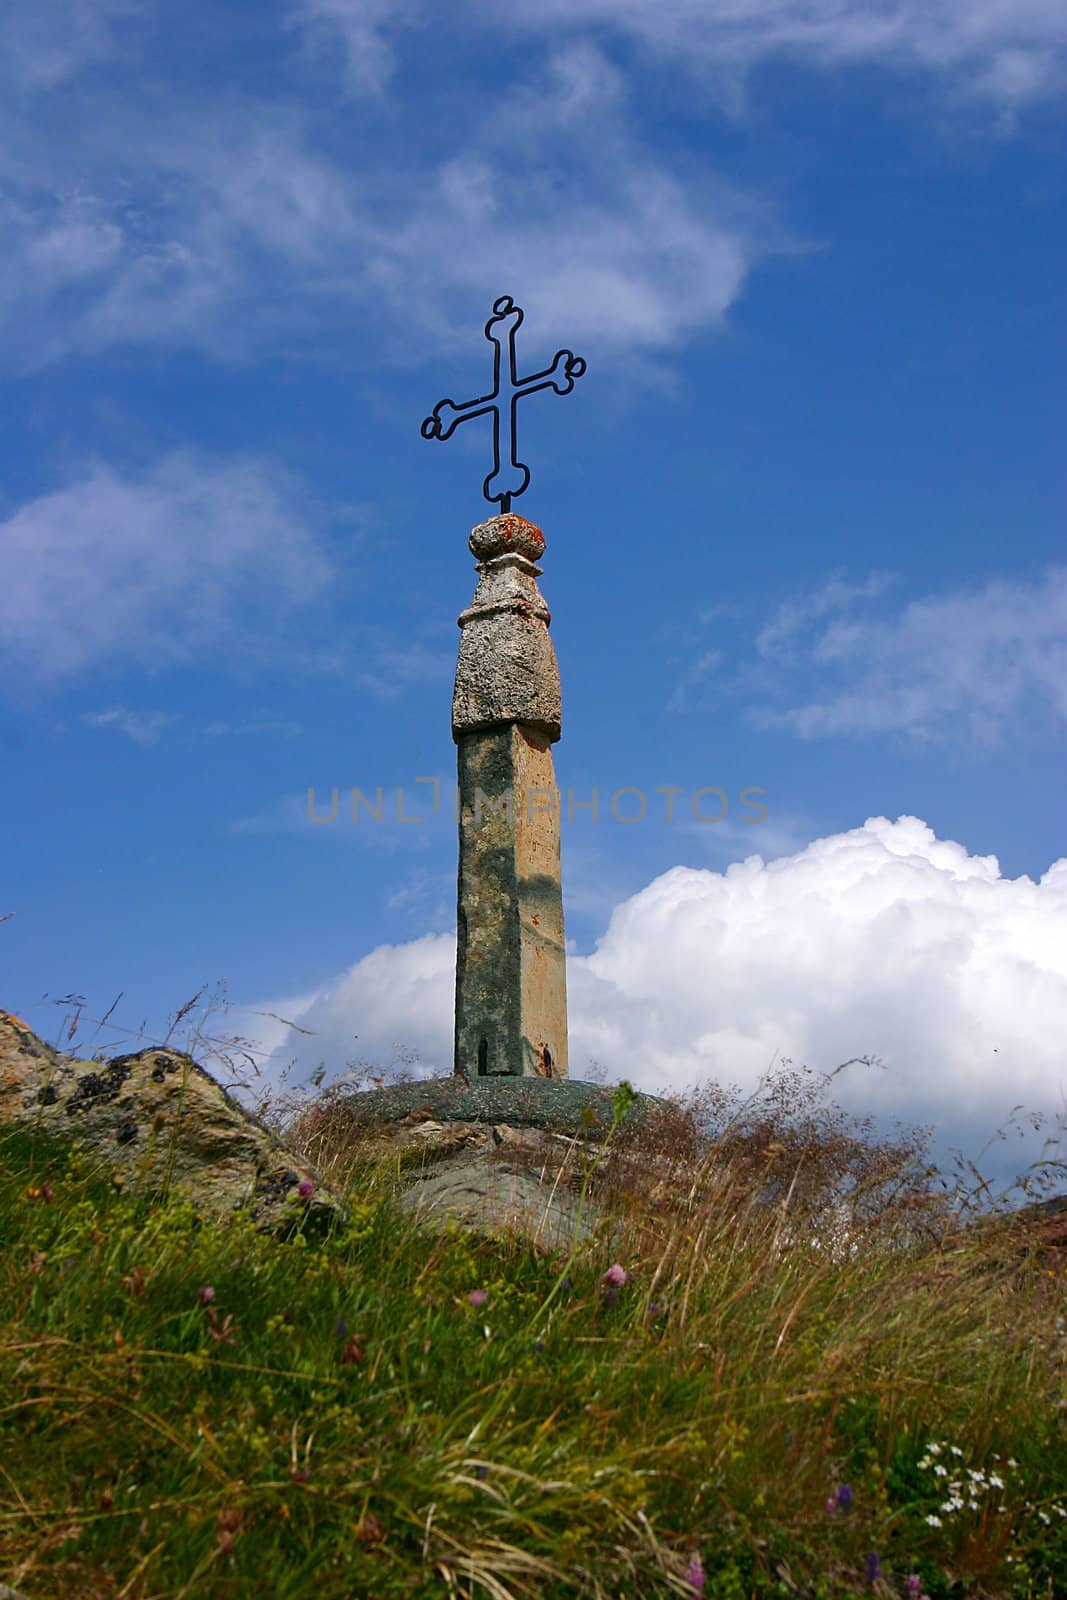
pixel 143 727
pixel 42 46
pixel 960 668
pixel 226 225
pixel 1008 51
pixel 276 730
pixel 365 30
pixel 182 562
pixel 391 670
pixel 390 821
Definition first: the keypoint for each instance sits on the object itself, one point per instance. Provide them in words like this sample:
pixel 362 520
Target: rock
pixel 493 1178
pixel 157 1121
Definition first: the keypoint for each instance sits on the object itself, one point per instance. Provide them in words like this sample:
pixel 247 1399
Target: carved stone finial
pixel 507 534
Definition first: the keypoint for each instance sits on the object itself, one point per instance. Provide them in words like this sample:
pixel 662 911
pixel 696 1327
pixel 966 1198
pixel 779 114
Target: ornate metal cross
pixel 509 478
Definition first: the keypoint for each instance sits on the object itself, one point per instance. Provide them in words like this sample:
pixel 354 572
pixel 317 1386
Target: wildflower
pixel 844 1497
pixel 615 1276
pixel 481 1472
pixel 695 1575
pixel 831 1505
pixel 935 1522
pixel 873 1568
pixel 205 1294
pixel 566 1286
pixel 341 1329
pixel 306 1189
pixel 915 1583
pixel 478 1297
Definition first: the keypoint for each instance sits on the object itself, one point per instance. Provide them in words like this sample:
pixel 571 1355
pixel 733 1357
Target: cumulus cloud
pixel 883 941
pixel 955 667
pixel 186 560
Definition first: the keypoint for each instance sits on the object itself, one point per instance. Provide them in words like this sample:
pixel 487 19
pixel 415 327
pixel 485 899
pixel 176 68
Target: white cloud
pixel 143 727
pixel 185 561
pixel 960 667
pixel 883 941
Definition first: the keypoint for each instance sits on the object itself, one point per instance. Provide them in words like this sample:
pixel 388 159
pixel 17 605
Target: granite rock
pixel 158 1122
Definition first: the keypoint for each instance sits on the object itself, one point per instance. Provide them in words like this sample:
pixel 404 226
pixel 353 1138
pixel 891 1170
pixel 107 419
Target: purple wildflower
pixel 844 1497
pixel 205 1294
pixel 481 1472
pixel 341 1328
pixel 306 1189
pixel 914 1584
pixel 616 1276
pixel 695 1575
pixel 831 1505
pixel 478 1297
pixel 874 1567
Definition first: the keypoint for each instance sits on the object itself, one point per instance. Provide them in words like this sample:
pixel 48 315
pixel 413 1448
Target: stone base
pixel 556 1103
pixel 505 1157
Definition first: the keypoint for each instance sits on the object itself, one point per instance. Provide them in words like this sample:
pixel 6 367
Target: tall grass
pixel 735 1399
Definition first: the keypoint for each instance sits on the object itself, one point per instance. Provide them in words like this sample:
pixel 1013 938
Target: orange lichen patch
pixel 510 524
pixel 16 1022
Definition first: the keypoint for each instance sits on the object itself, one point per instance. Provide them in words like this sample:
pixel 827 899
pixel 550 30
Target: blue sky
pixel 803 513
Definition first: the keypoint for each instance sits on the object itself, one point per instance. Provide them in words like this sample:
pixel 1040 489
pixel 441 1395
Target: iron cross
pixel 509 478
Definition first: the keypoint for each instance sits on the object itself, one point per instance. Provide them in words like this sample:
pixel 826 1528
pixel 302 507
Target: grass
pixel 732 1402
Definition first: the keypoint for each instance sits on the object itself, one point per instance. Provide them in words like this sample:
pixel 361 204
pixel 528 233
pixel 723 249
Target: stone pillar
pixel 511 979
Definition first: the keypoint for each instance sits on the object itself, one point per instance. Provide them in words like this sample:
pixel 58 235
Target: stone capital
pixel 507 669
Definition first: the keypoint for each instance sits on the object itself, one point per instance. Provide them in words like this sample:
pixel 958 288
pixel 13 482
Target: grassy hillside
pixel 737 1403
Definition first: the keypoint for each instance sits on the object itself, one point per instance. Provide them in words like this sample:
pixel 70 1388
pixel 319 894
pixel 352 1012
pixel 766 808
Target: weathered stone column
pixel 511 979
